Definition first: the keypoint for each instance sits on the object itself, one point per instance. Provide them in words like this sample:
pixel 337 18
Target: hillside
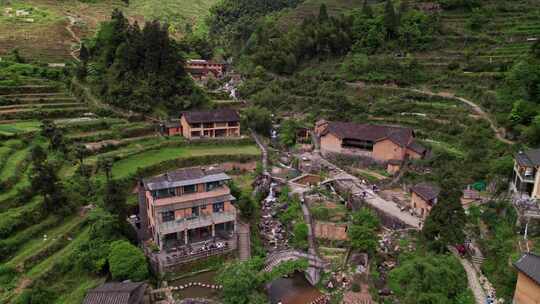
pixel 51 29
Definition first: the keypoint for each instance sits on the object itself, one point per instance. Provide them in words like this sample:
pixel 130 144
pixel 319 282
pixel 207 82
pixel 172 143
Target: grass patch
pixel 38 244
pixel 128 166
pixel 20 127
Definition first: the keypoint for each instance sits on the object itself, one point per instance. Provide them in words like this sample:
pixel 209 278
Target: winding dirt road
pixel 499 132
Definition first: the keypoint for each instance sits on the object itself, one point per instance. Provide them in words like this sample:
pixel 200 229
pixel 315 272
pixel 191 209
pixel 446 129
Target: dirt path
pixel 472 278
pixel 499 132
pixel 76 38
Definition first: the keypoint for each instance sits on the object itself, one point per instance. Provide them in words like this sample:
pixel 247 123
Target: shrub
pixel 300 239
pixel 127 262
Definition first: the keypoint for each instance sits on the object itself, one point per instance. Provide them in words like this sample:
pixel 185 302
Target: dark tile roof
pixel 349 130
pixel 221 115
pixel 528 158
pixel 172 124
pixel 529 264
pixel 116 293
pixel 183 177
pixel 417 147
pixel 426 191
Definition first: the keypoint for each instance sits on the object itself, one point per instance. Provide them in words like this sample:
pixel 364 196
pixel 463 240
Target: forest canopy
pixel 139 69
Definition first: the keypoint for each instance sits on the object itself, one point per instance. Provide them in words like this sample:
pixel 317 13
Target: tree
pixel 362 231
pixel 84 54
pixel 46 183
pixel 366 9
pixel 391 21
pixel 240 280
pixel 54 134
pixel 445 222
pixel 80 152
pixel 430 279
pixel 287 134
pixel 105 164
pixel 127 262
pixel 259 119
pixel 115 200
pixel 323 14
pixel 300 238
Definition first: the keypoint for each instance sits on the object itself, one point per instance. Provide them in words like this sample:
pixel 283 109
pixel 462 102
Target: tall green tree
pixel 391 21
pixel 362 231
pixel 430 279
pixel 445 222
pixel 323 13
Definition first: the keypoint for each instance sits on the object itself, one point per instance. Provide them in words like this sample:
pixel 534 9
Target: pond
pixel 294 289
pixel 207 277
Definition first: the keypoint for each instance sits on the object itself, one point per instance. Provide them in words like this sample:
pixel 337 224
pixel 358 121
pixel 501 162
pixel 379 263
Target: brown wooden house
pixel 210 124
pixel 379 142
pixel 423 197
pixel 528 280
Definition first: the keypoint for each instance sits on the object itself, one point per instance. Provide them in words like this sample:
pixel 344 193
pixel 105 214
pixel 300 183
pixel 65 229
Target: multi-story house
pixel 525 177
pixel 186 210
pixel 201 69
pixel 528 279
pixel 213 124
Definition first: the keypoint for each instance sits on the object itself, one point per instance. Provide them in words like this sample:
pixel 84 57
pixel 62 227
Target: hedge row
pixel 92 125
pixel 11 245
pixel 44 114
pixel 20 169
pixel 22 217
pixel 50 249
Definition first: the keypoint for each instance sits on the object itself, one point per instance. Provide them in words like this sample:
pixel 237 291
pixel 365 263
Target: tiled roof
pixel 528 158
pixel 369 132
pixel 529 264
pixel 184 177
pixel 221 115
pixel 417 147
pixel 426 191
pixel 116 293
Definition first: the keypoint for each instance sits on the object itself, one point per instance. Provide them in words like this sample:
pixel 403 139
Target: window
pixel 196 134
pixel 233 123
pixel 195 211
pixel 218 207
pixel 163 193
pixel 213 185
pixel 208 125
pixel 167 216
pixel 358 144
pixel 190 189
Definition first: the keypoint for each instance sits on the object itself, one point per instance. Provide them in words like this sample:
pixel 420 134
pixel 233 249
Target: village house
pixel 423 197
pixel 187 210
pixel 381 143
pixel 528 279
pixel 171 128
pixel 202 69
pixel 212 123
pixel 525 177
pixel 119 293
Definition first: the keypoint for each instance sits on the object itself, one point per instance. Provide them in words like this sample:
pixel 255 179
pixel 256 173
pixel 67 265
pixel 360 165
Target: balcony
pixel 221 191
pixel 196 222
pixel 526 175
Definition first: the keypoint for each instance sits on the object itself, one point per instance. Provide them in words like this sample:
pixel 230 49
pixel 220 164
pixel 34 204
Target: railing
pixel 196 222
pixel 199 255
pixel 523 177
